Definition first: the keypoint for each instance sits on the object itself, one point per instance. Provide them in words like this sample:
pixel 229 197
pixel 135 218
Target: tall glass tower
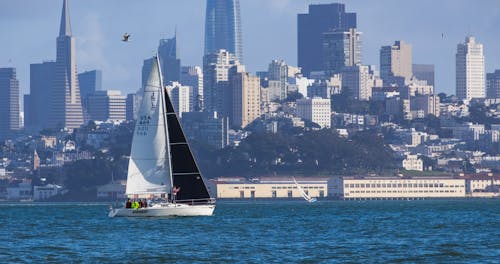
pixel 223 27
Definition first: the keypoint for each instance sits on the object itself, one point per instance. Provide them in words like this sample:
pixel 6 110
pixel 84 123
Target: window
pixel 242 194
pixel 321 193
pixel 273 194
pixel 252 194
pixel 290 194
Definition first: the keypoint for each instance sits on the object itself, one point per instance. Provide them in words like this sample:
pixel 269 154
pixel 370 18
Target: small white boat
pixel 161 167
pixel 303 193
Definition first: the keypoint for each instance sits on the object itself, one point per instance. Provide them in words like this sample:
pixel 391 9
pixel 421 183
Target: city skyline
pixel 98 28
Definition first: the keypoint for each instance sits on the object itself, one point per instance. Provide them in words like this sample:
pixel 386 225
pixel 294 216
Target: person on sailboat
pixel 175 190
pixel 128 204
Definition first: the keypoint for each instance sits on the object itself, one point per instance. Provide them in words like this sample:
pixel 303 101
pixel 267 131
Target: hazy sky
pixel 28 30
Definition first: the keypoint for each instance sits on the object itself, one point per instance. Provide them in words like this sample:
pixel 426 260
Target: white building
pixel 470 81
pixel 317 110
pixel 397 188
pixel 181 97
pixel 269 187
pixel 47 191
pixel 412 162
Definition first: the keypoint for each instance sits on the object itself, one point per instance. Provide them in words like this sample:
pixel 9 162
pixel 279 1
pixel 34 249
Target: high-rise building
pixel 107 105
pixel 181 96
pixel 277 76
pixel 424 72
pixel 358 82
pixel 317 110
pixel 169 59
pixel 206 127
pixel 36 110
pixel 470 69
pixel 132 106
pixel 396 61
pixel 223 27
pixel 9 102
pixel 146 69
pixel 245 97
pixel 66 107
pixel 216 90
pixel 90 82
pixel 493 84
pixel 310 28
pixel 341 49
pixel 193 76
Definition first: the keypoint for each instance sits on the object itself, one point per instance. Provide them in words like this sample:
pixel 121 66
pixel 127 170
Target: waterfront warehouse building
pixel 269 187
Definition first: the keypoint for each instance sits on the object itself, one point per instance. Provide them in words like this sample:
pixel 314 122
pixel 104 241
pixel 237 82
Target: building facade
pixel 317 110
pixel 310 28
pixel 341 49
pixel 66 107
pixel 398 188
pixel 181 97
pixel 207 128
pixel 424 72
pixel 107 105
pixel 358 81
pixel 36 112
pixel 396 61
pixel 270 188
pixel 223 27
pixel 9 102
pixel 193 76
pixel 493 84
pixel 169 60
pixel 470 69
pixel 245 97
pixel 216 90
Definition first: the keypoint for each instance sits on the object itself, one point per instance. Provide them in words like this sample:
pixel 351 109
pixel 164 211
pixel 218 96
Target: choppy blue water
pixel 440 231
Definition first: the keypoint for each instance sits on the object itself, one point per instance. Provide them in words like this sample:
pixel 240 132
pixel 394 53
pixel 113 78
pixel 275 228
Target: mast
pixel 162 92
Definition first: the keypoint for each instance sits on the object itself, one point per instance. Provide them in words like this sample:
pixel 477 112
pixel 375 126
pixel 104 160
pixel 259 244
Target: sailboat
pixel 303 193
pixel 162 169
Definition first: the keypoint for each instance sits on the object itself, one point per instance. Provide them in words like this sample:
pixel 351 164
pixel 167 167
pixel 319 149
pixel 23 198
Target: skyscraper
pixel 90 82
pixel 470 69
pixel 193 76
pixel 223 27
pixel 493 84
pixel 245 93
pixel 107 105
pixel 341 49
pixel 170 62
pixel 9 102
pixel 424 72
pixel 36 112
pixel 321 18
pixel 215 81
pixel 146 69
pixel 66 107
pixel 396 61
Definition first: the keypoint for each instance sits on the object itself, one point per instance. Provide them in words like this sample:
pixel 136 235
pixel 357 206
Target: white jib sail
pixel 149 166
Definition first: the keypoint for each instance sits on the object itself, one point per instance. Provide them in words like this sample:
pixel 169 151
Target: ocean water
pixel 429 231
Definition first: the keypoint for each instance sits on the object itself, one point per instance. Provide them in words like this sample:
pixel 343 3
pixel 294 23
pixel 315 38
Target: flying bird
pixel 125 37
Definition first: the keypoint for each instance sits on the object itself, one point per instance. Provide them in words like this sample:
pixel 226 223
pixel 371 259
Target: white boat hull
pixel 165 210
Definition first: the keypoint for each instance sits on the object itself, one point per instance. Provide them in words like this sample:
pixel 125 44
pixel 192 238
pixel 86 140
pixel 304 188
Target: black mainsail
pixel 185 171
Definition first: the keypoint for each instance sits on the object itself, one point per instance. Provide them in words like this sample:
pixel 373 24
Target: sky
pixel 28 30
